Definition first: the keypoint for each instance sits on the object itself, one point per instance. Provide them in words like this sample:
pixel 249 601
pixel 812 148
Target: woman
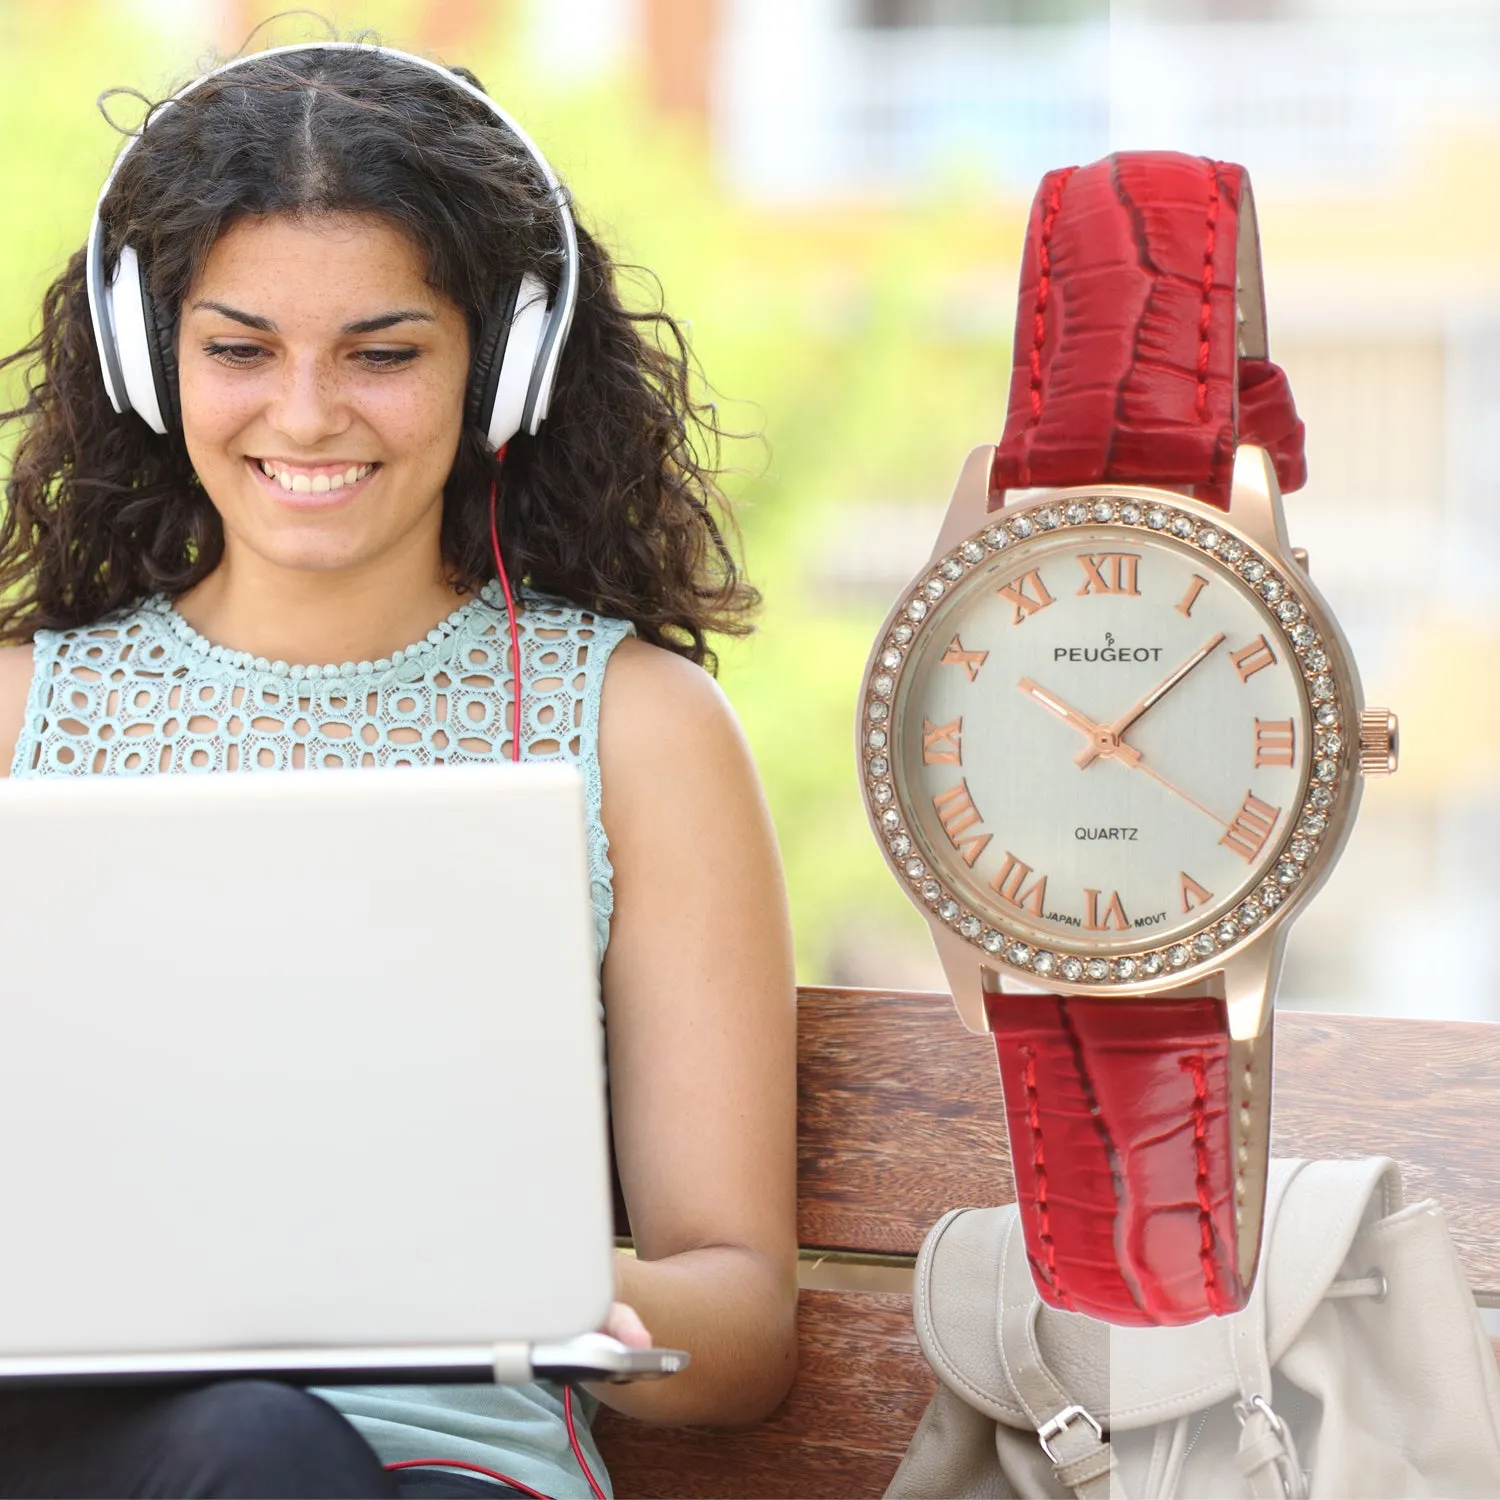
pixel 332 239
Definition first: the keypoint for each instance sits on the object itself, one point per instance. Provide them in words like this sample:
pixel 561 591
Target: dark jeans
pixel 237 1440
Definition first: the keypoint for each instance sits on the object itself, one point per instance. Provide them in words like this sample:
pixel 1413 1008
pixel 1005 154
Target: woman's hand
pixel 624 1323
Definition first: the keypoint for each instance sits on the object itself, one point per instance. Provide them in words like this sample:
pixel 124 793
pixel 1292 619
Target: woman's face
pixel 322 383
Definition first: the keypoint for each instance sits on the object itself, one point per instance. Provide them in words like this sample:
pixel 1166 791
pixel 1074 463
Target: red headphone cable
pixel 525 1489
pixel 510 608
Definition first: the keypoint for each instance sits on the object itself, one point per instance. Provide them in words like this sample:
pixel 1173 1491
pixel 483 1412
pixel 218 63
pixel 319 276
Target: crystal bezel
pixel 1315 821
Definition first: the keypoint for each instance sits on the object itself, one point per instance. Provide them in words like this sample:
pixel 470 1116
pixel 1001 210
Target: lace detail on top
pixel 142 692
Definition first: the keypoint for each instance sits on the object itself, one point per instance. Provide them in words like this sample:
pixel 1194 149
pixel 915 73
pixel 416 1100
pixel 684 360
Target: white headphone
pixel 515 359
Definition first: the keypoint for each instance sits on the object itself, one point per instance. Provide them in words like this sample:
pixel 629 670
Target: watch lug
pixel 1255 501
pixel 965 976
pixel 1250 978
pixel 970 503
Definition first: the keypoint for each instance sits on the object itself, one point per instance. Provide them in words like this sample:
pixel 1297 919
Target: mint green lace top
pixel 142 692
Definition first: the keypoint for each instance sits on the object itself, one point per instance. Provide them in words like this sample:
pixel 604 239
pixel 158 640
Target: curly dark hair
pixel 612 505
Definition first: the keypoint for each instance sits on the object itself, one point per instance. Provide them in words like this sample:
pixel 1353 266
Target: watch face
pixel 1103 739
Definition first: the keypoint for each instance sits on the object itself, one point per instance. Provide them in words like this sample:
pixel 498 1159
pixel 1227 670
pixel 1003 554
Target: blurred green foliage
pixel 861 350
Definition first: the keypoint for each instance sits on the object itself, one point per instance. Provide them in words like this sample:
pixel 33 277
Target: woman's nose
pixel 308 408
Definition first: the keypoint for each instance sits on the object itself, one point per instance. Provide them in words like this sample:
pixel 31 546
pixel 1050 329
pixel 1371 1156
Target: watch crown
pixel 1378 742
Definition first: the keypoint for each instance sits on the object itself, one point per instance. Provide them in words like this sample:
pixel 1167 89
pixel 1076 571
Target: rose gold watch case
pixel 1239 966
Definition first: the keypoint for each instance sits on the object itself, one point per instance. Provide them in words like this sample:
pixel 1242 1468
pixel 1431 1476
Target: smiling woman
pixel 284 444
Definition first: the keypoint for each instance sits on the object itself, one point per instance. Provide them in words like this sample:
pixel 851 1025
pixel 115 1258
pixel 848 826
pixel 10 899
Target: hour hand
pixel 1102 739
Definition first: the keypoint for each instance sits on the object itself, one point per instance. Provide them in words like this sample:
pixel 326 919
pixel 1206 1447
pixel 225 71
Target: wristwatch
pixel 1111 739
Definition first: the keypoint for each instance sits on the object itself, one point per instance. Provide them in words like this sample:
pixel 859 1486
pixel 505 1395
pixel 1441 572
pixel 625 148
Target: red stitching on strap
pixel 1043 287
pixel 1039 1167
pixel 1205 1203
pixel 1205 311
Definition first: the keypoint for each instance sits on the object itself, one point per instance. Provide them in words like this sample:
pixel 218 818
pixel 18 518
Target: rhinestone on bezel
pixel 875 739
pixel 1130 513
pixel 1287 873
pixel 1299 849
pixel 891 659
pixel 1182 526
pixel 1047 519
pixel 1071 969
pixel 1075 513
pixel 877 710
pixel 890 820
pixel 1227 932
pixel 882 685
pixel 1043 962
pixel 952 569
pixel 917 609
pixel 900 846
pixel 1209 539
pixel 1156 518
pixel 1096 969
pixel 973 552
pixel 1104 510
pixel 1252 570
pixel 935 588
pixel 995 538
pixel 970 926
pixel 948 910
pixel 1321 797
pixel 879 765
pixel 881 792
pixel 1152 965
pixel 992 941
pixel 1125 968
pixel 1021 528
pixel 902 633
pixel 1204 944
pixel 1327 715
pixel 931 890
pixel 1018 954
pixel 1178 954
pixel 915 869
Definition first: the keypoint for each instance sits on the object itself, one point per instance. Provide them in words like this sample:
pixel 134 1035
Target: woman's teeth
pixel 313 484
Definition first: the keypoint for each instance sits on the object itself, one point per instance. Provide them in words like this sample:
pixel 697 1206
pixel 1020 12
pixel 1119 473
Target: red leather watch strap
pixel 1127 361
pixel 1124 1136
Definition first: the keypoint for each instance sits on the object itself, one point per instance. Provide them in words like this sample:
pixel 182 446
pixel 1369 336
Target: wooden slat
pixel 861 1386
pixel 900 1116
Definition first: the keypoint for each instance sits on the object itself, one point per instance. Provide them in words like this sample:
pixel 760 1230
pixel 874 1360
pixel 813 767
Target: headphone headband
pixel 119 369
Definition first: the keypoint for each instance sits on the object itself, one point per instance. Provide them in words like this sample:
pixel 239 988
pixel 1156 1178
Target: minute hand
pixel 1087 755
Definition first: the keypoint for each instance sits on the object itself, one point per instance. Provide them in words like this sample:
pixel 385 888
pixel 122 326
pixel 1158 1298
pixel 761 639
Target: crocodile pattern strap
pixel 1128 351
pixel 1132 1133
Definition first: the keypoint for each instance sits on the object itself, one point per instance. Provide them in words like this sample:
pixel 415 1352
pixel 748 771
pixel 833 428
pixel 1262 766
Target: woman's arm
pixel 700 1005
pixel 15 684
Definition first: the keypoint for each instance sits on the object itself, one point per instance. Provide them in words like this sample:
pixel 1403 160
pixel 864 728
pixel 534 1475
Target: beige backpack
pixel 1359 1368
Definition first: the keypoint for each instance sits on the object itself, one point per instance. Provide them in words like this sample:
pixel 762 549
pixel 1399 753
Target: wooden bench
pixel 900 1120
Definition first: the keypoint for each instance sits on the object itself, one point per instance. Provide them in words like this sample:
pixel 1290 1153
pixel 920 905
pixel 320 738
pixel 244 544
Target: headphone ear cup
pixel 514 364
pixel 489 356
pixel 132 319
pixel 161 345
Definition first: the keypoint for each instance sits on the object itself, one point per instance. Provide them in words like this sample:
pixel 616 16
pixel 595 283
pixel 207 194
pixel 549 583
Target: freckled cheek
pixel 422 424
pixel 212 417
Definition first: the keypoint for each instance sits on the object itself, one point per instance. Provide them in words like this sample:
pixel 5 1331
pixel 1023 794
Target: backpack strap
pixel 1072 1438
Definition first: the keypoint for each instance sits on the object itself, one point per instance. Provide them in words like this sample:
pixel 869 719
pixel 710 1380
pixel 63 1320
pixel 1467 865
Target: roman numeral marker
pixel 942 743
pixel 1251 828
pixel 1184 606
pixel 1193 894
pixel 956 656
pixel 957 813
pixel 1009 883
pixel 1109 572
pixel 1114 913
pixel 1256 655
pixel 1023 603
pixel 1275 742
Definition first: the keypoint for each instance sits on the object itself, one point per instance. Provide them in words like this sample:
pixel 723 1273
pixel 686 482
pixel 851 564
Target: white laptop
pixel 302 1075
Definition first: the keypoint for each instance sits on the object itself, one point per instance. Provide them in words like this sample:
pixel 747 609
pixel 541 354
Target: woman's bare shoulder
pixel 15 683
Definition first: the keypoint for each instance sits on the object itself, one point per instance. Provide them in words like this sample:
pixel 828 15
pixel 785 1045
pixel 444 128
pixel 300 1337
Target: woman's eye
pixel 237 356
pixel 386 359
